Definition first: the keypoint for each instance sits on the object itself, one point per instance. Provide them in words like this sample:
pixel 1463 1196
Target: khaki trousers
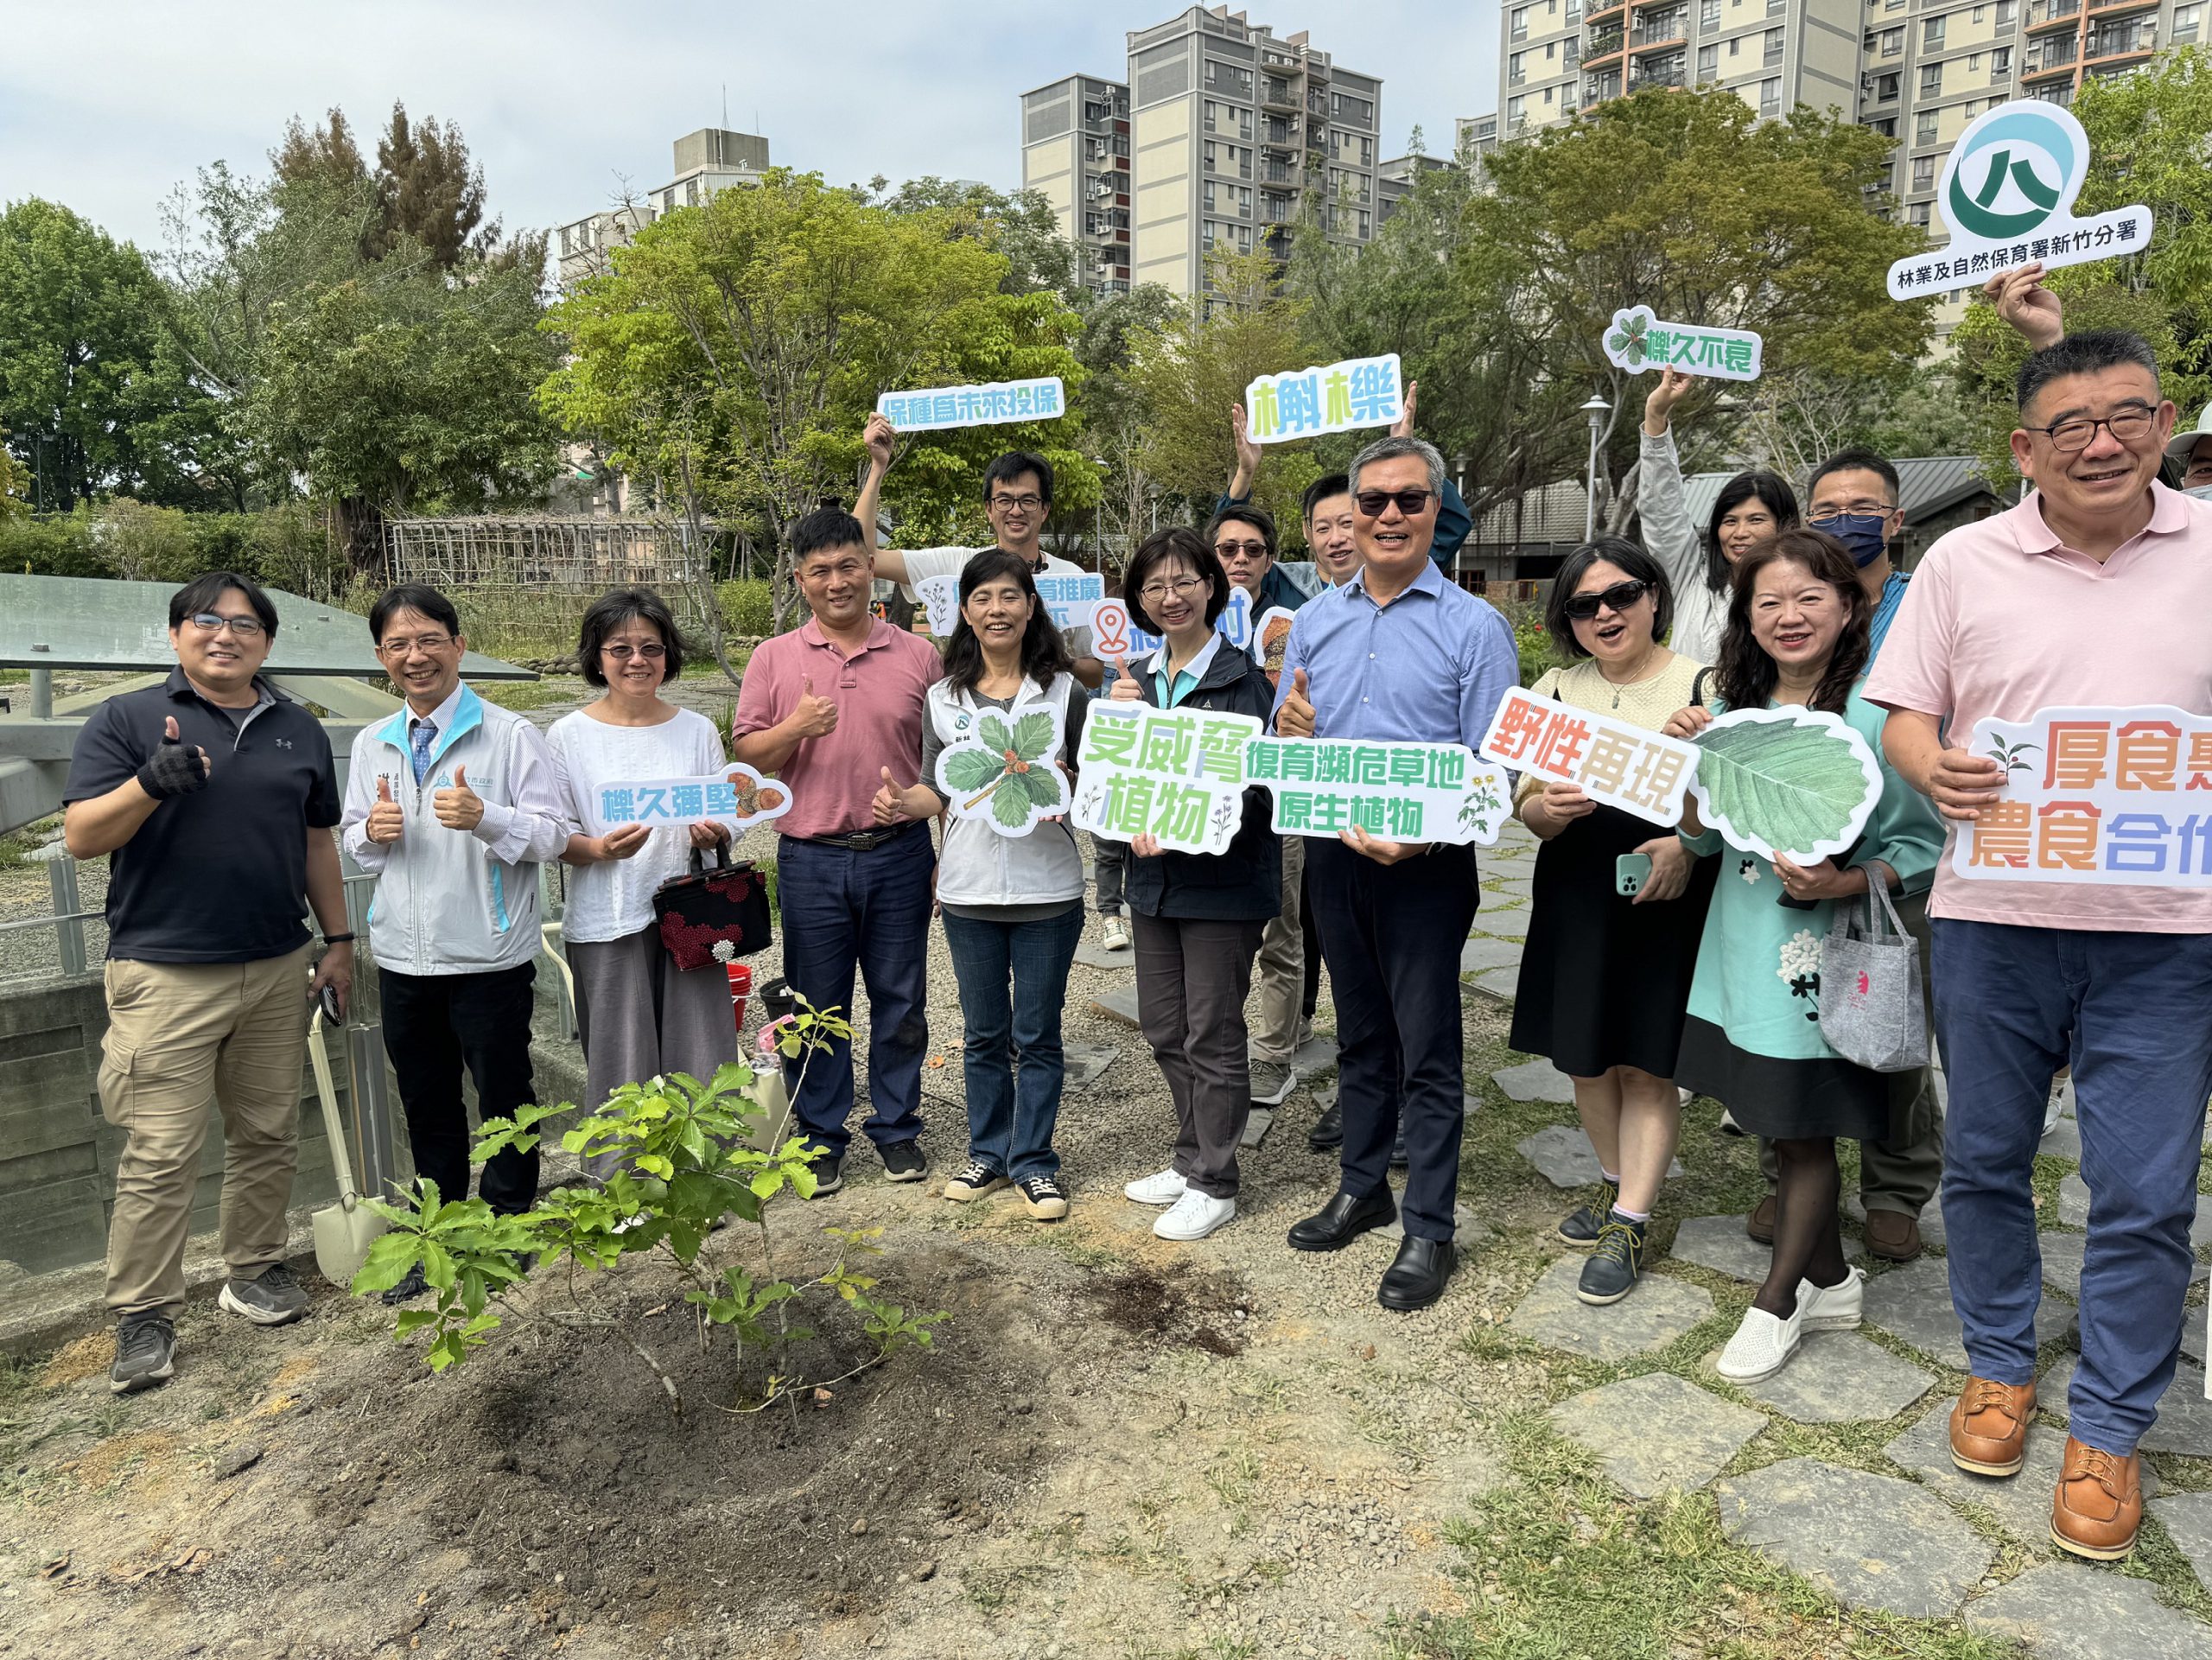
pixel 182 1040
pixel 1281 969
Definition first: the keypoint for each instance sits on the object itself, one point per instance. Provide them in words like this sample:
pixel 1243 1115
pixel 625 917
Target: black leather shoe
pixel 1343 1220
pixel 1417 1278
pixel 1328 1129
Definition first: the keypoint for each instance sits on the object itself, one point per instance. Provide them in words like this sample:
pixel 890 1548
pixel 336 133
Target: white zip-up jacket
pixel 451 901
pixel 978 865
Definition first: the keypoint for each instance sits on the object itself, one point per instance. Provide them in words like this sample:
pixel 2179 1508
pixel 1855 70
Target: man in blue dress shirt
pixel 1397 653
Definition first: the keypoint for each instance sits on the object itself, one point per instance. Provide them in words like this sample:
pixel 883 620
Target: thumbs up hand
pixel 1126 690
pixel 890 804
pixel 387 822
pixel 459 808
pixel 175 768
pixel 1296 718
pixel 815 717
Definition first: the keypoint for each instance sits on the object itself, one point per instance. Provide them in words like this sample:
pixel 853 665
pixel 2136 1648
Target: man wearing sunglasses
pixel 1397 653
pixel 213 796
pixel 2092 592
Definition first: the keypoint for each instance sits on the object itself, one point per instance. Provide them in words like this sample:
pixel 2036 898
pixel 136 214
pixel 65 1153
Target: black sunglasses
pixel 1371 502
pixel 1621 595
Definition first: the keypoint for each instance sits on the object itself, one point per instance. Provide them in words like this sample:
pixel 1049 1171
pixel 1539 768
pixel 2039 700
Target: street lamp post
pixel 1596 409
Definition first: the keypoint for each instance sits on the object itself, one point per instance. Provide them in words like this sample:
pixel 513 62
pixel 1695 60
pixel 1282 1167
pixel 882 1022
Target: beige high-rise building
pixel 1224 127
pixel 707 163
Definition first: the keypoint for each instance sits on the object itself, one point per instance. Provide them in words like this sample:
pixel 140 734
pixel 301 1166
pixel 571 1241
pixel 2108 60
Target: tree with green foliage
pixel 425 186
pixel 1115 414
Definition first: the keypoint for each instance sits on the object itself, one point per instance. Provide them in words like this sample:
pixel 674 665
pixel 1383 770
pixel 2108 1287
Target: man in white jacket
pixel 452 805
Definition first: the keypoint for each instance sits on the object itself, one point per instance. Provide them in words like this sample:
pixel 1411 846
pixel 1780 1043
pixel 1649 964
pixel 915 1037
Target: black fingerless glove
pixel 174 770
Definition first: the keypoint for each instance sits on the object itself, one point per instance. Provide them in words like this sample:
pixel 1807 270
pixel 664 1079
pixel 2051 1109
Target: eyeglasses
pixel 1017 504
pixel 1832 511
pixel 208 622
pixel 1240 549
pixel 1151 592
pixel 2126 426
pixel 1371 502
pixel 623 654
pixel 1621 595
pixel 427 643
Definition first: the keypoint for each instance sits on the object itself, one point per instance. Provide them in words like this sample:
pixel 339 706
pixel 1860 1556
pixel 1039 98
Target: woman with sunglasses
pixel 639 1014
pixel 1619 904
pixel 1796 634
pixel 1199 916
pixel 1751 508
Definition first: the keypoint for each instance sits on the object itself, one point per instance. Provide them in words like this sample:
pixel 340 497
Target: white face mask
pixel 2202 492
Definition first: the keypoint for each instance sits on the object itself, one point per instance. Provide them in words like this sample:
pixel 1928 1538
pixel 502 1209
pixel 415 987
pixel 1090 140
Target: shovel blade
pixel 342 1238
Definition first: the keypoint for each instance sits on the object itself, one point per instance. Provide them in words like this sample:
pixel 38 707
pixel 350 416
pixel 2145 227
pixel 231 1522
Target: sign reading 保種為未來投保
pixel 1001 401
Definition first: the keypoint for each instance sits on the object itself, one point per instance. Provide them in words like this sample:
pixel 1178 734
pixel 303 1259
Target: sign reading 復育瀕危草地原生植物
pixel 2007 196
pixel 1638 340
pixel 737 797
pixel 2095 795
pixel 1335 397
pixel 1395 791
pixel 923 410
pixel 1612 761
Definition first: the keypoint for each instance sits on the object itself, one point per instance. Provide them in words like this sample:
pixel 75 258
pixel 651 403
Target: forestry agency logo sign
pixel 2014 170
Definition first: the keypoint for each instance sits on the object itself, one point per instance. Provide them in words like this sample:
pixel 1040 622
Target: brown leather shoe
pixel 1892 1236
pixel 1989 1427
pixel 2099 1504
pixel 1760 1223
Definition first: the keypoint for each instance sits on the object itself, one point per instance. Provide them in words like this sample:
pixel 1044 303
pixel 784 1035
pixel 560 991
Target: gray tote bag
pixel 1871 1010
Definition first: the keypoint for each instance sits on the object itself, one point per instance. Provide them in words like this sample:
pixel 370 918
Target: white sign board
pixel 1001 401
pixel 1638 340
pixel 1335 397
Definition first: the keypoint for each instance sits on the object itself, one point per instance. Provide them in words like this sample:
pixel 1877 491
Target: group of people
pixel 1698 976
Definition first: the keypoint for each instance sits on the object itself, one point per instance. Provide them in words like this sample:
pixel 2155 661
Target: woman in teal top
pixel 1796 632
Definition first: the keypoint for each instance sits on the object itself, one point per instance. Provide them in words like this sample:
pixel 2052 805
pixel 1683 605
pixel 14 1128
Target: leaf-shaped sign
pixel 1006 770
pixel 1033 733
pixel 1793 781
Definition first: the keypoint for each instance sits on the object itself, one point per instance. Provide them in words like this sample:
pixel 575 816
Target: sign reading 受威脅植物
pixel 1176 774
pixel 1614 762
pixel 2095 795
pixel 737 797
pixel 1395 791
pixel 1638 340
pixel 1043 399
pixel 1335 397
pixel 2007 196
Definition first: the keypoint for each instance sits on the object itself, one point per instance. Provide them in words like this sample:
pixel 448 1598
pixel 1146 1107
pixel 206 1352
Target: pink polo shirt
pixel 879 691
pixel 2001 620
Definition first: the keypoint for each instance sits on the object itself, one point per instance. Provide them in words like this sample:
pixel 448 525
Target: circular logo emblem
pixel 2014 170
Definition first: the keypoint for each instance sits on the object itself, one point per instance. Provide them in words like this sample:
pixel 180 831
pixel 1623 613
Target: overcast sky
pixel 106 106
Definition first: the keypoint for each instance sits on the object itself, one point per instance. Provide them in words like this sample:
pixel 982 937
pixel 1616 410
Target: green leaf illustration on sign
pixel 1006 771
pixel 1791 781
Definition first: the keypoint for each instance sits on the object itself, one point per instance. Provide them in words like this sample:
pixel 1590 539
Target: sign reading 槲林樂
pixel 2007 195
pixel 1337 398
pixel 1623 766
pixel 1179 775
pixel 2119 796
pixel 924 410
pixel 737 797
pixel 1638 340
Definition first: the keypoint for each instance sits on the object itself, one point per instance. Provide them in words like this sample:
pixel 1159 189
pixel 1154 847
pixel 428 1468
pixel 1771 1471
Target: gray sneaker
pixel 145 1353
pixel 1272 1082
pixel 272 1298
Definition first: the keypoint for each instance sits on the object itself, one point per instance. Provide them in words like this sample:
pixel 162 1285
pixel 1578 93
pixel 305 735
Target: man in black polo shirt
pixel 215 796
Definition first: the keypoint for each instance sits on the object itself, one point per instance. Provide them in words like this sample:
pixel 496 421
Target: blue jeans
pixel 1014 1059
pixel 2132 1012
pixel 843 909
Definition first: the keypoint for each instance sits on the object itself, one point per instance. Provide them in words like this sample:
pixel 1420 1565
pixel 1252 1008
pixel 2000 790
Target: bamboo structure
pixel 577 554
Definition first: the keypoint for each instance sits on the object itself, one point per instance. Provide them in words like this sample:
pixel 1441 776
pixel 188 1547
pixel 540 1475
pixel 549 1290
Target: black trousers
pixel 1393 935
pixel 1312 929
pixel 434 1025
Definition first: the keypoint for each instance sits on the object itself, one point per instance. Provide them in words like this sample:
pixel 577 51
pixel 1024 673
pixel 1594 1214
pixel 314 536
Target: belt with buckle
pixel 860 841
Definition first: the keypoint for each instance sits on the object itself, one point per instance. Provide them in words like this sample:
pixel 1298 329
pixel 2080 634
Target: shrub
pixel 748 607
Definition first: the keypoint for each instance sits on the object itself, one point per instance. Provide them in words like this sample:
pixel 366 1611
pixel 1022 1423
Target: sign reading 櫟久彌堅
pixel 1638 340
pixel 1334 397
pixel 737 797
pixel 928 409
pixel 1117 634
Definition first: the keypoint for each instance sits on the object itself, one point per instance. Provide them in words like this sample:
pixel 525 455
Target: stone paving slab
pixel 1874 1542
pixel 2072 1610
pixel 1659 1310
pixel 1257 1122
pixel 2074 1210
pixel 1562 1153
pixel 2193 1334
pixel 2187 1518
pixel 1839 1378
pixel 1720 1243
pixel 1317 1054
pixel 1478 955
pixel 2021 1503
pixel 2062 1262
pixel 1117 1003
pixel 1502 923
pixel 1091 954
pixel 1535 1080
pixel 1502 985
pixel 1931 1219
pixel 1914 1302
pixel 1657 1434
pixel 2184 1422
pixel 1087 1062
pixel 2064 1142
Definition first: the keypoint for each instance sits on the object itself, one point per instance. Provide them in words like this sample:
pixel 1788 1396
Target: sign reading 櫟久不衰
pixel 1614 762
pixel 1638 340
pixel 1001 401
pixel 1335 397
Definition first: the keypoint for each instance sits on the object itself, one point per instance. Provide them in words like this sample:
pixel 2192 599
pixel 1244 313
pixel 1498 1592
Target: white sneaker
pixel 1838 1307
pixel 1113 934
pixel 1761 1345
pixel 1194 1216
pixel 1163 1188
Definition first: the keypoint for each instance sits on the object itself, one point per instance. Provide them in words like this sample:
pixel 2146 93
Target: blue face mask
pixel 1866 535
pixel 2202 492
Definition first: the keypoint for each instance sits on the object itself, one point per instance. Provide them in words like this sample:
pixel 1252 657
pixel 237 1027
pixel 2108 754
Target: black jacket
pixel 1245 883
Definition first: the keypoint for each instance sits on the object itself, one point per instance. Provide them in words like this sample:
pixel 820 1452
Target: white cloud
pixel 107 104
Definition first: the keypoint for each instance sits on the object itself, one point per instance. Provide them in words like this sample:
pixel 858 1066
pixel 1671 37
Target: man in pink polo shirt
pixel 827 707
pixel 2094 591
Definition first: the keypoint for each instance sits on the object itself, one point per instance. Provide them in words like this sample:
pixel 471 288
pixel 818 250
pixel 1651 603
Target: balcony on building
pixel 1279 94
pixel 2109 43
pixel 1602 42
pixel 2050 14
pixel 2053 56
pixel 1661 69
pixel 1596 89
pixel 1599 11
pixel 1655 28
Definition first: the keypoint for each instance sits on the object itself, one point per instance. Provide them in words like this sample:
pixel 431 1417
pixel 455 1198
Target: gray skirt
pixel 641 1017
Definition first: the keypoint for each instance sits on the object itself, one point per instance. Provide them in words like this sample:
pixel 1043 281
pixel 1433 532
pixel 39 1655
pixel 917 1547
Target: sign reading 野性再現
pixel 1335 397
pixel 2007 196
pixel 1395 791
pixel 2095 795
pixel 1638 340
pixel 1001 401
pixel 737 797
pixel 1614 762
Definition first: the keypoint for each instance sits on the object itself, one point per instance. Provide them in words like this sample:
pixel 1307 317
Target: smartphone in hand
pixel 333 1012
pixel 1631 871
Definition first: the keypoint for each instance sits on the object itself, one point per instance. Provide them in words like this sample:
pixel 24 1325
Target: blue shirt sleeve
pixel 1453 525
pixel 1493 670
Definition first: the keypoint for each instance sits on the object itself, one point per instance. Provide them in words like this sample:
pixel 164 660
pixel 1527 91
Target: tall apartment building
pixel 1394 179
pixel 1228 127
pixel 1474 135
pixel 1075 149
pixel 707 162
